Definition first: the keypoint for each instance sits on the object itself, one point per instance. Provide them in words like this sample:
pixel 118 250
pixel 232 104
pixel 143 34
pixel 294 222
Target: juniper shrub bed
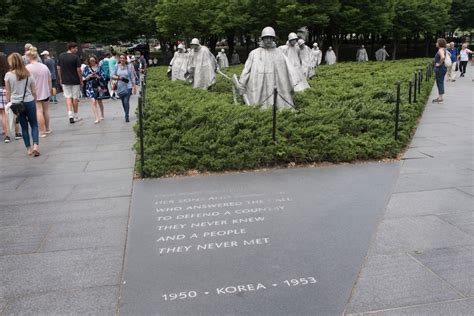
pixel 347 115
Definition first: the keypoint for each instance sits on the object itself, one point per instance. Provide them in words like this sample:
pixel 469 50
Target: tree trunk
pixel 372 45
pixel 395 48
pixel 212 44
pixel 230 42
pixel 427 44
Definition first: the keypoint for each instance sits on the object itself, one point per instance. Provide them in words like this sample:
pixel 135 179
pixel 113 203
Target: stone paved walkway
pixel 64 215
pixel 422 259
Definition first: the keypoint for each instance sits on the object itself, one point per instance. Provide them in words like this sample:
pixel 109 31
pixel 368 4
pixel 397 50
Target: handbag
pixel 102 92
pixel 19 108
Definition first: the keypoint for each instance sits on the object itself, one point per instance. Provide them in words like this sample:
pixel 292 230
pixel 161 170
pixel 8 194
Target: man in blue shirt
pixel 451 71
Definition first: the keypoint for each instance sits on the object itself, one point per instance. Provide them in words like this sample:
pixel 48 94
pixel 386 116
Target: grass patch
pixel 347 115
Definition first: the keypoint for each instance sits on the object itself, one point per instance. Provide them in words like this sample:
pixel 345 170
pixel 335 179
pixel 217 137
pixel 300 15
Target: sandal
pixel 437 100
pixel 29 152
pixel 35 153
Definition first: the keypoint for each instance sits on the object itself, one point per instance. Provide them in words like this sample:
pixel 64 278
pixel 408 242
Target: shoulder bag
pixel 19 108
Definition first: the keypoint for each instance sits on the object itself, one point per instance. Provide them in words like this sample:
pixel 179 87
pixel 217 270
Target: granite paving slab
pixel 66 211
pixel 282 242
pixel 428 203
pixel 461 307
pixel 454 265
pixel 420 233
pixel 391 281
pixel 60 270
pixel 88 301
pixel 106 232
pixel 22 239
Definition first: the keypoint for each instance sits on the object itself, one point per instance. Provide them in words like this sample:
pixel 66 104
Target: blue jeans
pixel 29 116
pixel 126 103
pixel 440 72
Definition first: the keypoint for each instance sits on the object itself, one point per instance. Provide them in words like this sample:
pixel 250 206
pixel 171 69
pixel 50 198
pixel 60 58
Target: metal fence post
pixel 415 87
pixel 410 87
pixel 140 122
pixel 420 80
pixel 274 114
pixel 397 110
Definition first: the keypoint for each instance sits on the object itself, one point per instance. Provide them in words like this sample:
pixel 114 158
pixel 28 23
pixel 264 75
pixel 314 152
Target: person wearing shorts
pixel 42 77
pixel 51 63
pixel 70 78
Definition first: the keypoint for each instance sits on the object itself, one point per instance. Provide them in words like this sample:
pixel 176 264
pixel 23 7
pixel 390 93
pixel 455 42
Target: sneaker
pixel 18 136
pixel 7 139
pixel 43 135
pixel 127 120
pixel 77 118
pixel 71 120
pixel 49 131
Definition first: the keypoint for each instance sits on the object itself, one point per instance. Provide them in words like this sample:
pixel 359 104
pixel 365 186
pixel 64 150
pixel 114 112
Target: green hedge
pixel 347 115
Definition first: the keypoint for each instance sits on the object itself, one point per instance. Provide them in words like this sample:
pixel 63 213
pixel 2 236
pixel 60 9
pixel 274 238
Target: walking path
pixel 63 215
pixel 422 259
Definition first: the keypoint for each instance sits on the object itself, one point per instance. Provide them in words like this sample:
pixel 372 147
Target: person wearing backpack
pixel 441 62
pixel 124 73
pixel 453 52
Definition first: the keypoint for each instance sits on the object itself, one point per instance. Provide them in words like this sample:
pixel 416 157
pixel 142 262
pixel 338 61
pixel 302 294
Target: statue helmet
pixel 315 44
pixel 268 32
pixel 195 41
pixel 181 46
pixel 223 50
pixel 292 36
pixel 301 41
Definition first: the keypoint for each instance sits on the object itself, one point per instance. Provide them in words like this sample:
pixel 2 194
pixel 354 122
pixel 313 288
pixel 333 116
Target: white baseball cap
pixel 45 52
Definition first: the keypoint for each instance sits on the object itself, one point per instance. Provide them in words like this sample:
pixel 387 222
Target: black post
pixel 275 96
pixel 140 122
pixel 410 87
pixel 426 74
pixel 420 80
pixel 397 110
pixel 414 88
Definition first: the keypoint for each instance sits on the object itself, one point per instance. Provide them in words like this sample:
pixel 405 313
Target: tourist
pixel 112 65
pixel 20 87
pixel 125 76
pixel 222 60
pixel 202 66
pixel 330 57
pixel 362 55
pixel 51 64
pixel 464 59
pixel 440 68
pixel 104 65
pixel 70 78
pixel 94 79
pixel 451 70
pixel 3 97
pixel 381 54
pixel 293 52
pixel 42 79
pixel 179 64
pixel 25 58
pixel 267 69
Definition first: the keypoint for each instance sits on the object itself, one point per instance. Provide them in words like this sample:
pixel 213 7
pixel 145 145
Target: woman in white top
pixel 464 58
pixel 20 86
pixel 42 76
